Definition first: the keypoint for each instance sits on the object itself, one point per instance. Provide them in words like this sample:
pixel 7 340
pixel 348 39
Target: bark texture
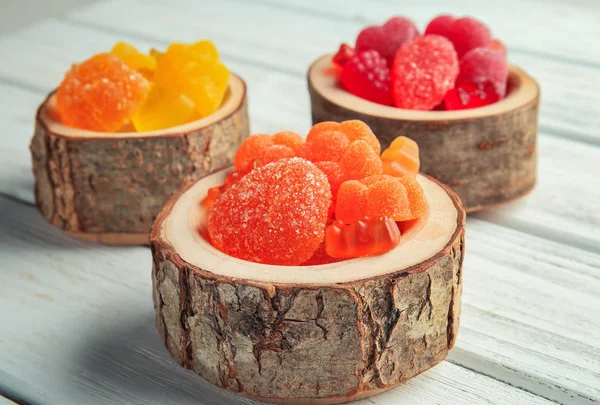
pixel 117 185
pixel 309 343
pixel 486 161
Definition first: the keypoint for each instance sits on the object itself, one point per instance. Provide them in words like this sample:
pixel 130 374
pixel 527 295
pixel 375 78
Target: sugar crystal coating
pixel 276 214
pixel 366 75
pixel 356 129
pixel 276 152
pixel 288 138
pixel 351 203
pixel 251 150
pixel 468 33
pixel 424 70
pixel 470 95
pixel 335 174
pixel 388 197
pixel 325 142
pixel 100 94
pixel 360 161
pixel 483 65
pixel 388 38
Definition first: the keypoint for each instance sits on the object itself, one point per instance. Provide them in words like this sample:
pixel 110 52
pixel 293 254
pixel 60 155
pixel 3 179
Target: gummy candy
pixel 163 108
pixel 470 95
pixel 251 149
pixel 360 161
pixel 351 203
pixel 145 64
pixel 276 214
pixel 276 152
pixel 467 33
pixel 343 55
pixel 401 158
pixel 325 142
pixel 498 45
pixel 388 38
pixel 100 94
pixel 423 71
pixel 388 197
pixel 335 174
pixel 195 71
pixel 263 149
pixel 367 75
pixel 289 139
pixel 482 65
pixel 364 237
pixel 320 257
pixel 356 129
pixel 440 25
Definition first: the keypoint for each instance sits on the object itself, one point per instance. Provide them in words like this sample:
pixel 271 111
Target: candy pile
pixel 331 197
pixel 455 65
pixel 128 90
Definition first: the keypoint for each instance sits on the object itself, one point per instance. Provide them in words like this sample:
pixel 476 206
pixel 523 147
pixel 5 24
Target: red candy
pixel 467 33
pixel 365 237
pixel 343 55
pixel 367 75
pixel 440 25
pixel 423 72
pixel 276 214
pixel 470 95
pixel 484 65
pixel 498 45
pixel 388 38
pixel 320 257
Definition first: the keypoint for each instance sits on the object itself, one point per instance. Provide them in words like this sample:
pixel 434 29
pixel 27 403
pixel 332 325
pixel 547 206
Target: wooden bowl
pixel 109 187
pixel 486 155
pixel 324 334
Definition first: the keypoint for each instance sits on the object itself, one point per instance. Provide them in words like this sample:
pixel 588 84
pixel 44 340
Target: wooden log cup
pixel 109 187
pixel 486 155
pixel 315 335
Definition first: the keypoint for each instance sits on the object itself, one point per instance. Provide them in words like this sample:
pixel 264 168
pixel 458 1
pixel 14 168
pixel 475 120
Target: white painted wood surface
pixel 77 318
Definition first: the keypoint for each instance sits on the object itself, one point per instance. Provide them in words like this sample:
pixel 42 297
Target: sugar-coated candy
pixel 343 55
pixel 498 45
pixel 100 94
pixel 470 95
pixel 276 214
pixel 263 149
pixel 482 65
pixel 366 75
pixel 276 152
pixel 360 161
pixel 388 38
pixel 325 142
pixel 401 158
pixel 143 63
pixel 356 129
pixel 423 71
pixel 440 25
pixel 388 197
pixel 468 33
pixel 335 175
pixel 320 257
pixel 288 138
pixel 360 238
pixel 351 202
pixel 163 108
pixel 251 149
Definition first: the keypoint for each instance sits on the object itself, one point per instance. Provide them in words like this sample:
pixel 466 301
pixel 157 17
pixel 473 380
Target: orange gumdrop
pixel 276 214
pixel 364 237
pixel 276 152
pixel 401 158
pixel 288 138
pixel 388 197
pixel 416 198
pixel 356 129
pixel 100 94
pixel 324 143
pixel 351 203
pixel 251 150
pixel 334 174
pixel 360 161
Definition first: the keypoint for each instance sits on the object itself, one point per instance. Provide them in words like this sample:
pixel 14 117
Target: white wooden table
pixel 76 320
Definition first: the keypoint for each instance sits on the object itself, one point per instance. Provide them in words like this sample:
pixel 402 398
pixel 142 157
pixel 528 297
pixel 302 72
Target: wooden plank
pixel 85 312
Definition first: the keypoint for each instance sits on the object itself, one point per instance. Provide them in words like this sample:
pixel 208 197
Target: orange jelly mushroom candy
pixel 275 214
pixel 288 138
pixel 364 237
pixel 356 129
pixel 324 144
pixel 351 203
pixel 100 94
pixel 416 198
pixel 360 161
pixel 276 152
pixel 401 158
pixel 252 149
pixel 263 148
pixel 388 197
pixel 334 174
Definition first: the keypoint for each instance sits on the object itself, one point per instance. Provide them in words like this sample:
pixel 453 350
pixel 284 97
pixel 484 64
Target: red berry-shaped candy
pixel 423 71
pixel 470 95
pixel 467 33
pixel 388 38
pixel 343 55
pixel 482 65
pixel 440 25
pixel 366 75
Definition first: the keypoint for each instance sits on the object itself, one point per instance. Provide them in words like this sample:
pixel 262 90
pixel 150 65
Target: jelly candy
pixel 320 257
pixel 351 202
pixel 145 64
pixel 364 237
pixel 163 108
pixel 334 173
pixel 325 142
pixel 423 71
pixel 367 75
pixel 356 129
pixel 467 33
pixel 440 25
pixel 401 158
pixel 470 95
pixel 100 94
pixel 482 65
pixel 343 55
pixel 388 38
pixel 276 214
pixel 194 71
pixel 388 197
pixel 265 148
pixel 498 45
pixel 360 161
pixel 416 198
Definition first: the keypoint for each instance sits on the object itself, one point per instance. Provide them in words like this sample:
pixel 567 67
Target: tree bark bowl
pixel 487 155
pixel 109 187
pixel 297 335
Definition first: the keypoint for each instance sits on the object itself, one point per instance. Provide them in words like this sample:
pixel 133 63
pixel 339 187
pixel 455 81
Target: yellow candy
pixel 163 108
pixel 133 58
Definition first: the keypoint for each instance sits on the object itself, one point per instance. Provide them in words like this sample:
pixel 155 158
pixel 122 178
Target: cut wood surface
pixel 529 321
pixel 109 187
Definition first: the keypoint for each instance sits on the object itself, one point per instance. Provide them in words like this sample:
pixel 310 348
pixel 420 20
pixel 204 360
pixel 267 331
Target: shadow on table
pixel 129 364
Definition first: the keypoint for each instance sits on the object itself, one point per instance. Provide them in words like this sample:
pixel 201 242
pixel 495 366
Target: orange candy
pixel 401 158
pixel 360 161
pixel 351 203
pixel 100 94
pixel 288 138
pixel 276 152
pixel 334 174
pixel 265 149
pixel 364 237
pixel 276 214
pixel 320 257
